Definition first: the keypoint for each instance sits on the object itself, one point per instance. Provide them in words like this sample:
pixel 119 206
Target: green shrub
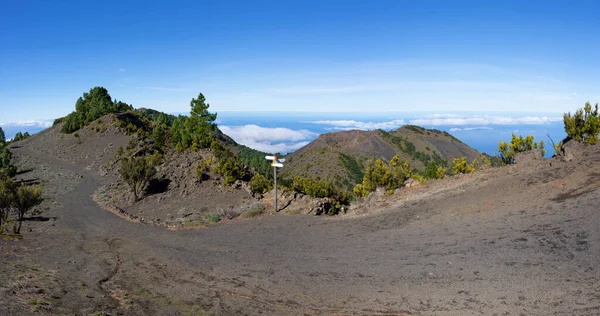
pixel 460 166
pixel 137 173
pixel 6 166
pixel 7 190
pixel 519 145
pixel 159 136
pixel 259 184
pixel 584 126
pixel 320 188
pixel 25 198
pixel 440 173
pixel 434 171
pixel 557 148
pixel 380 174
pixel 354 168
pixel 20 136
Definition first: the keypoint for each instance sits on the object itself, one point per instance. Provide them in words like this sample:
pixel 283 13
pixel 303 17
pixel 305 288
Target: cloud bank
pixel 482 120
pixel 476 128
pixel 352 124
pixel 28 124
pixel 269 139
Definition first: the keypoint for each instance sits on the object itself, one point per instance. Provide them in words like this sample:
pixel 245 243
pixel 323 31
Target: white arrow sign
pixel 277 164
pixel 270 157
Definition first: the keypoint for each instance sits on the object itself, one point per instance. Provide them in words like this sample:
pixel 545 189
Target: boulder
pixel 572 149
pixel 528 158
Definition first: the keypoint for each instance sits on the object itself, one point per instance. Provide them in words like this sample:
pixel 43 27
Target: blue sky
pixel 310 56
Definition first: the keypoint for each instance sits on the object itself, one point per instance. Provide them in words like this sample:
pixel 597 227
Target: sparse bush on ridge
pixel 322 188
pixel 584 125
pixel 519 145
pixel 434 171
pixel 20 136
pixel 460 166
pixel 380 174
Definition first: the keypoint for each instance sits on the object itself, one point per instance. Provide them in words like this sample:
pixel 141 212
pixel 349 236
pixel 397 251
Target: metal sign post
pixel 276 164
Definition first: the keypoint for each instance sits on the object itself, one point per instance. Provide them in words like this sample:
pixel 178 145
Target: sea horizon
pixel 287 131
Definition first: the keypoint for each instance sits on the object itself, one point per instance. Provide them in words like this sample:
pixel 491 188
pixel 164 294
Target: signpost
pixel 276 163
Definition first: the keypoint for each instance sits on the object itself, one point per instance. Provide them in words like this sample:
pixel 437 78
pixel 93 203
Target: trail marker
pixel 276 164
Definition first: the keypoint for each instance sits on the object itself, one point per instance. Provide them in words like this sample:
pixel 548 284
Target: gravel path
pixel 504 243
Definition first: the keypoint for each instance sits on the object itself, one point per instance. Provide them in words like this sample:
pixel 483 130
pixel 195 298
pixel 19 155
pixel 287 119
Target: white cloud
pixel 352 124
pixel 276 148
pixel 29 123
pixel 269 139
pixel 477 128
pixel 483 120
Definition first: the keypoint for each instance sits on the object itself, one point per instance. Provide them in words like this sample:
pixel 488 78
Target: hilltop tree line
pixel 90 107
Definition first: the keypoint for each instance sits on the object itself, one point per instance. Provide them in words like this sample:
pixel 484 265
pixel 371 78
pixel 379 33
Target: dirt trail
pixel 509 243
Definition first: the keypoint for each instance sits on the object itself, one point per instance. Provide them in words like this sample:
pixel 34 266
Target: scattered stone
pixel 410 182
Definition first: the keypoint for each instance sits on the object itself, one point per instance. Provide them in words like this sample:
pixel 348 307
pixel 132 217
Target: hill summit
pixel 342 156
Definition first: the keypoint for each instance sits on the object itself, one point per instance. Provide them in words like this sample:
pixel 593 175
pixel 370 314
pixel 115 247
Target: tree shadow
pixel 39 218
pixel 28 182
pixel 158 186
pixel 20 172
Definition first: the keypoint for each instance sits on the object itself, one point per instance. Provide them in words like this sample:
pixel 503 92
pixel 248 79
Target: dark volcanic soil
pixel 507 241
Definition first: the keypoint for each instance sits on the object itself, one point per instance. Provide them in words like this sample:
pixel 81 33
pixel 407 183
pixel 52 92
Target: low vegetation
pixel 434 171
pixel 322 188
pixel 381 174
pixel 137 173
pixel 584 125
pixel 253 211
pixel 259 184
pixel 353 167
pixel 517 145
pixel 17 200
pixel 460 166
